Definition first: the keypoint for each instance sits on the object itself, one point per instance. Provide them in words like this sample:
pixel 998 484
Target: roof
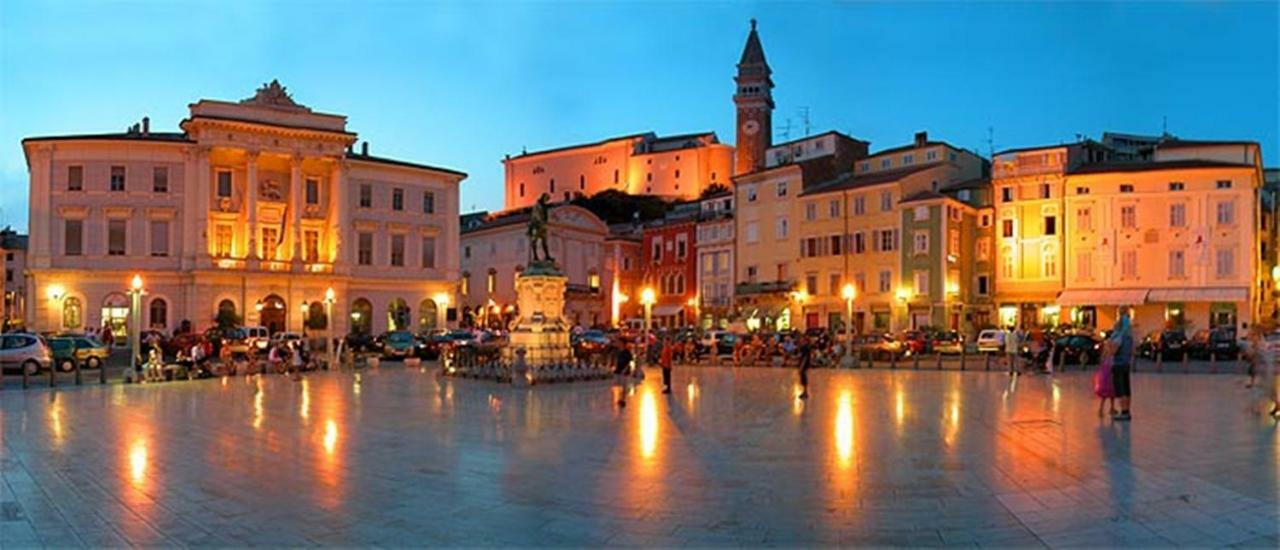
pixel 815 136
pixel 717 195
pixel 910 146
pixel 975 183
pixel 12 240
pixel 1105 167
pixel 753 52
pixel 175 137
pixel 394 162
pixel 580 145
pixel 922 196
pixel 1181 143
pixel 848 180
pixel 510 217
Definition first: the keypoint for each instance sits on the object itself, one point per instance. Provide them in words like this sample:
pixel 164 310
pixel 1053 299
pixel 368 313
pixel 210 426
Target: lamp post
pixel 329 298
pixel 442 308
pixel 135 335
pixel 849 293
pixel 647 298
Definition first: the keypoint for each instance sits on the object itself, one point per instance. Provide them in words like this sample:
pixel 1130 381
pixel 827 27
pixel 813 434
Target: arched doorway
pixel 398 315
pixel 273 313
pixel 226 316
pixel 72 313
pixel 361 316
pixel 428 315
pixel 115 317
pixel 317 319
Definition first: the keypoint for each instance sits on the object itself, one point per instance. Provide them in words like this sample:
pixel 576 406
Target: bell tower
pixel 754 101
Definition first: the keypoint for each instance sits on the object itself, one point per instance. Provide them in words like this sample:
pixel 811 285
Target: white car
pixel 285 337
pixel 991 340
pixel 257 337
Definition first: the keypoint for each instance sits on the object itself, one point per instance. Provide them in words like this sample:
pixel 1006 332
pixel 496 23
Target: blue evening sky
pixel 461 84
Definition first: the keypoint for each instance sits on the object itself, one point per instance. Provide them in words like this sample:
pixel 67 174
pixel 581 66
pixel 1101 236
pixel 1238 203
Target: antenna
pixel 804 116
pixel 991 142
pixel 786 131
pixel 1164 125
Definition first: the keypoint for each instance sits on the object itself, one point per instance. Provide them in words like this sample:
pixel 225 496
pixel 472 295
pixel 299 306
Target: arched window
pixel 226 315
pixel 317 319
pixel 1049 260
pixel 361 316
pixel 398 315
pixel 72 313
pixel 428 315
pixel 159 314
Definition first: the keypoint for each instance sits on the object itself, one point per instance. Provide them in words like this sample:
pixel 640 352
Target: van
pixel 257 337
pixel 990 341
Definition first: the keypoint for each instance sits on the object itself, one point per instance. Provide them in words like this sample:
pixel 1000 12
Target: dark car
pixel 234 339
pixel 1167 344
pixel 360 341
pixel 1219 343
pixel 68 351
pixel 398 344
pixel 430 345
pixel 1080 349
pixel 947 343
pixel 915 341
pixel 879 346
pixel 589 343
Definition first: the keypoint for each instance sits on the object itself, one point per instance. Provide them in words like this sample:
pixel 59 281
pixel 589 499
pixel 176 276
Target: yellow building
pixel 254 210
pixel 1183 239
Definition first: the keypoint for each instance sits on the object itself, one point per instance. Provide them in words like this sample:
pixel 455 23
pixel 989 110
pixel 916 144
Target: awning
pixel 666 310
pixel 1103 297
pixel 1236 294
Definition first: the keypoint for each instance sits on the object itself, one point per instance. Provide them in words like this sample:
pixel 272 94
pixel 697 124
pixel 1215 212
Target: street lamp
pixel 135 296
pixel 849 293
pixel 55 293
pixel 647 299
pixel 329 298
pixel 442 308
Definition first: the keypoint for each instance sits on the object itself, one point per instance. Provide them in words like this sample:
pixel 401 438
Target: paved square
pixel 402 457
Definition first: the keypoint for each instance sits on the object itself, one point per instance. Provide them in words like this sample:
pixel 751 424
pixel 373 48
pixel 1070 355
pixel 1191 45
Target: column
pixel 338 215
pixel 295 207
pixel 251 204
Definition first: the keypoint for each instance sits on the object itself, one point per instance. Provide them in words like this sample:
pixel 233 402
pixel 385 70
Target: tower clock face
pixel 750 127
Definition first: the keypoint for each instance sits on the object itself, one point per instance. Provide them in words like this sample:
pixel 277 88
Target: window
pixel 1084 219
pixel 1045 191
pixel 682 246
pixel 522 189
pixel 1129 264
pixel 1006 228
pixel 751 193
pixel 810 211
pixel 1226 212
pixel 922 282
pixel 582 181
pixel 1226 266
pixel 886 201
pixel 985 220
pixel 752 273
pixel 931 155
pixel 657 250
pixel 1006 194
pixel 117 178
pixel 984 250
pixel 160 179
pixel 311 246
pixel 1006 262
pixel 1128 216
pixel 753 232
pixel 429 253
pixel 224 184
pixel 397 199
pixel 491 280
pixel 811 283
pixel 116 237
pixel 222 236
pixel 833 208
pixel 1084 266
pixel 466 284
pixel 920 242
pixel 984 285
pixel 1082 190
pixel 8 274
pixel 864 166
pixel 428 202
pixel 73 237
pixel 159 238
pixel 466 252
pixel 780 229
pixel 953 242
pixel 859 206
pixel 1126 188
pixel 836 242
pixel 860 282
pixel 782 189
pixel 1177 215
pixel 780 270
pixel 859 242
pixel 397 250
pixel 1049 261
pixel 553 189
pixel 1177 264
pixel 364 249
pixel 313 191
pixel 1176 186
pixel 593 281
pixel 1224 184
pixel 888 240
pixel 75 178
pixel 920 213
pixel 885 281
pixel 1050 225
pixel 270 243
pixel 159 318
pixel 366 196
pixel 885 163
pixel 908 159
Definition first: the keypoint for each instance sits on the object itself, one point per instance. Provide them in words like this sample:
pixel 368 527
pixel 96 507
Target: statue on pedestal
pixel 538 232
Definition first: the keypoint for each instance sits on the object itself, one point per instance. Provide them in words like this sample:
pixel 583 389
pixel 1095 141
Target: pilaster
pixel 251 205
pixel 295 208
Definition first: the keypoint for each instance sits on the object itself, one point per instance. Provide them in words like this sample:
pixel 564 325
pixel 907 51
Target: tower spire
pixel 754 101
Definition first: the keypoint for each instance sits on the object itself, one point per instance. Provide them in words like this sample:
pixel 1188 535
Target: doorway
pixel 273 314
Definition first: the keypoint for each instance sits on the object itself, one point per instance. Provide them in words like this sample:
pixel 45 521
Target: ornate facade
pixel 254 209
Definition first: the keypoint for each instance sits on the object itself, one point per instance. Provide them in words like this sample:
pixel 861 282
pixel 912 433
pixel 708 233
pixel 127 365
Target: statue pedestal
pixel 541 329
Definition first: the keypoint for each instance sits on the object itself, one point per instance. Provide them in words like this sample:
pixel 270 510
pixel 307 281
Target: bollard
pixel 1213 362
pixel 1062 361
pixel 1186 363
pixel 939 361
pixel 76 366
pixel 53 376
pixel 893 360
pixel 1159 362
pixel 26 382
pixel 962 356
pixel 915 361
pixel 102 371
pixel 987 359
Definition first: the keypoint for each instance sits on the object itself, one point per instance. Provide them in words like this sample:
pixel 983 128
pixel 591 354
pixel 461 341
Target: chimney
pixel 364 148
pixel 922 138
pixel 146 125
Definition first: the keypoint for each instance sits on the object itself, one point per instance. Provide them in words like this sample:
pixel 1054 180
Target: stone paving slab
pixel 400 457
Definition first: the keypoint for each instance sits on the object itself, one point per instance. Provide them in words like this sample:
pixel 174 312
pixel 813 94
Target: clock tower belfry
pixel 754 101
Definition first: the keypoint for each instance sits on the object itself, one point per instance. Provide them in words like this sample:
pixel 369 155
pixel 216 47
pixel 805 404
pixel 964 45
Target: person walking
pixel 1122 340
pixel 666 356
pixel 1261 356
pixel 1012 345
pixel 622 365
pixel 804 352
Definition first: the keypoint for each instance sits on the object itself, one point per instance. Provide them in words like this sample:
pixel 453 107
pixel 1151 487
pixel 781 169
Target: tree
pixel 227 318
pixel 713 189
pixel 613 206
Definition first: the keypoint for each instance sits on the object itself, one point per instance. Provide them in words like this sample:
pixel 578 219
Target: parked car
pixel 589 343
pixel 258 337
pixel 286 338
pixel 879 346
pixel 1167 344
pixel 68 351
pixel 1081 349
pixel 990 341
pixel 1219 342
pixel 359 341
pixel 398 344
pixel 950 343
pixel 229 337
pixel 24 352
pixel 915 341
pixel 724 341
pixel 463 338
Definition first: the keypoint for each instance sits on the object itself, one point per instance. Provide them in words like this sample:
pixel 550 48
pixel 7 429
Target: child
pixel 1102 386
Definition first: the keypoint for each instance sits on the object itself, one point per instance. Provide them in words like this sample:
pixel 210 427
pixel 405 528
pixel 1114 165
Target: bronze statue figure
pixel 538 230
